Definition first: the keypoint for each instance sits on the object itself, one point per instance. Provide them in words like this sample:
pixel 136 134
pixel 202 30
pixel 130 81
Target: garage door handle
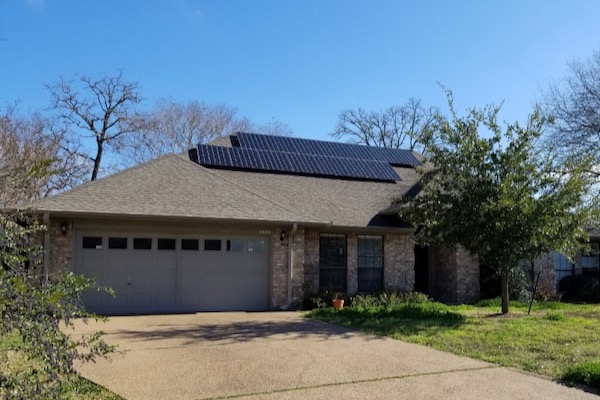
pixel 128 282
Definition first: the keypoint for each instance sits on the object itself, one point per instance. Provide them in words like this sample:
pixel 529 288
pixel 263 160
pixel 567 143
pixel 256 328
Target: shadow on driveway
pixel 192 329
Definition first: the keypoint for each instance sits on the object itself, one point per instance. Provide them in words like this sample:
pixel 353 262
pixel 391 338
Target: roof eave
pixel 160 217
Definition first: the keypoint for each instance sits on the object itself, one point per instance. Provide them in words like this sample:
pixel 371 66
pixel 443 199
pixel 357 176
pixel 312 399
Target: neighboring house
pixel 585 263
pixel 249 222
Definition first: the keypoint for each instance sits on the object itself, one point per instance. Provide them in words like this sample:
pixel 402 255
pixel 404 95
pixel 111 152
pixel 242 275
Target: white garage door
pixel 166 274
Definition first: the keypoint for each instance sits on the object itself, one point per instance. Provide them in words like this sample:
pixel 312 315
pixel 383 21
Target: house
pixel 249 222
pixel 585 263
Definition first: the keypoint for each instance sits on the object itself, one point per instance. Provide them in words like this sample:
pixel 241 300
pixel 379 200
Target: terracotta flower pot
pixel 338 303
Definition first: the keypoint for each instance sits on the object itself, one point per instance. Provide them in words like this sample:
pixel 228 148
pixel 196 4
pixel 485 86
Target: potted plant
pixel 338 301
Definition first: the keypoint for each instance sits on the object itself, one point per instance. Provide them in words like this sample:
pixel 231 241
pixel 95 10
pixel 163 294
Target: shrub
pixel 387 299
pixel 585 373
pixel 321 299
pixel 34 309
pixel 582 288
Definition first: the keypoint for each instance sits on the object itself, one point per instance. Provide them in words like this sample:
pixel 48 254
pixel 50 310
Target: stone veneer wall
pixel 61 247
pixel 399 262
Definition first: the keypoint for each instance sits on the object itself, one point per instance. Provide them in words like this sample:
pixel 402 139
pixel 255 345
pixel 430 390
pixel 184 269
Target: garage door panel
pixel 165 301
pixel 93 301
pixel 140 300
pixel 117 304
pixel 148 280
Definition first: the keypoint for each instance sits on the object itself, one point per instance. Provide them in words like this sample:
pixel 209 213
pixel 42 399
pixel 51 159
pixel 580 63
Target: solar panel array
pixel 304 157
pixel 397 157
pixel 301 164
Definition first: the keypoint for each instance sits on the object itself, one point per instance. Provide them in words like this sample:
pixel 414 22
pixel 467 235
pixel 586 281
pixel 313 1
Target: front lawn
pixel 555 337
pixel 14 364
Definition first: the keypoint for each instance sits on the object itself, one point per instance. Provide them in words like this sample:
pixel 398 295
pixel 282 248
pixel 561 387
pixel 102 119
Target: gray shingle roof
pixel 174 186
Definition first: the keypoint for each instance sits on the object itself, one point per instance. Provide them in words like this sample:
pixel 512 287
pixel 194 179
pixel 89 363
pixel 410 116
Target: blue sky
pixel 299 62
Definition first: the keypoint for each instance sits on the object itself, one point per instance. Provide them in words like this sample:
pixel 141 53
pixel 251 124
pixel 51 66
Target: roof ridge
pixel 231 181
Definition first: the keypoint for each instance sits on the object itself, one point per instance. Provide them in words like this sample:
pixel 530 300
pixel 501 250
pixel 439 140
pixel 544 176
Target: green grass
pixel 553 338
pixel 15 362
pixel 585 373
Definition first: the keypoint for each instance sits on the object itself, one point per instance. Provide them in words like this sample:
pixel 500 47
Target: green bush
pixel 585 373
pixel 387 299
pixel 582 288
pixel 382 299
pixel 321 299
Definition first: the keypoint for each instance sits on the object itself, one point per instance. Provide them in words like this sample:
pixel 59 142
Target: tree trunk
pixel 97 161
pixel 504 290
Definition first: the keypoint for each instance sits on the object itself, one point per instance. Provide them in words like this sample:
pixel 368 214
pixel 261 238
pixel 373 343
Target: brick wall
pixel 467 277
pixel 298 277
pixel 311 261
pixel 61 247
pixel 352 263
pixel 544 265
pixel 279 270
pixel 456 275
pixel 443 264
pixel 399 262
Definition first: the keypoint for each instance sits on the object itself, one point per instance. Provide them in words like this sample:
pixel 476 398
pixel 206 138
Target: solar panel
pixel 296 163
pixel 397 157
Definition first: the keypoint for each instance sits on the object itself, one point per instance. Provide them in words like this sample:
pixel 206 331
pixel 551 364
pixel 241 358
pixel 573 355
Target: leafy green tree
pixel 498 196
pixel 34 309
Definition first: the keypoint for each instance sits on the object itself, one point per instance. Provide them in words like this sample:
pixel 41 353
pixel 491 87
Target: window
pixel 370 263
pixel 92 242
pixel 212 244
pixel 118 243
pixel 190 244
pixel 562 267
pixel 235 245
pixel 332 262
pixel 256 246
pixel 142 243
pixel 166 244
pixel 590 264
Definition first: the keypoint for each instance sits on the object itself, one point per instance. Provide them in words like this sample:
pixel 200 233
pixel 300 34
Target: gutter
pixel 291 236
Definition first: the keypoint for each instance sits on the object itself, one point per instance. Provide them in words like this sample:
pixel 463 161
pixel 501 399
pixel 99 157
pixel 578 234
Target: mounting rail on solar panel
pixel 396 157
pixel 293 163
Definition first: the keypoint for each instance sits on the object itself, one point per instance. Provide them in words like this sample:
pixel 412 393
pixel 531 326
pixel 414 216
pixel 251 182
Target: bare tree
pixel 396 127
pixel 32 164
pixel 173 127
pixel 100 109
pixel 574 104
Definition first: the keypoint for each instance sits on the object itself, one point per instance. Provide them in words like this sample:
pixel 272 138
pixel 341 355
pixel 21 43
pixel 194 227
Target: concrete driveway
pixel 281 355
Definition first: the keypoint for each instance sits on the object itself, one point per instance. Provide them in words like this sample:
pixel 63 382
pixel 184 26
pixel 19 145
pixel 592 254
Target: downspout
pixel 291 235
pixel 46 221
